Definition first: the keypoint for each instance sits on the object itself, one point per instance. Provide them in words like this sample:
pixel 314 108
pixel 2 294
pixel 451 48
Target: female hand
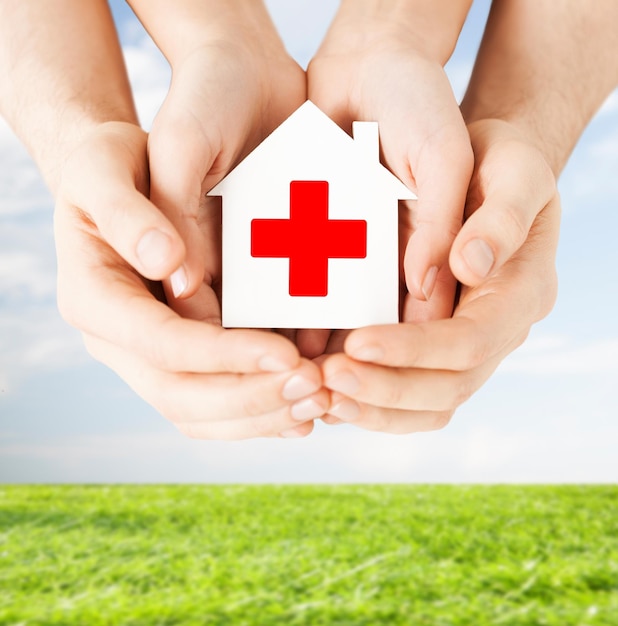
pixel 381 62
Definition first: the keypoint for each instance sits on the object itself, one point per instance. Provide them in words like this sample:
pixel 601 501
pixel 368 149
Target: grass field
pixel 341 555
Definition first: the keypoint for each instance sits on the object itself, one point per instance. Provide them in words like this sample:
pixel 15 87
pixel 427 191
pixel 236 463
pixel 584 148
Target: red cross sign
pixel 308 239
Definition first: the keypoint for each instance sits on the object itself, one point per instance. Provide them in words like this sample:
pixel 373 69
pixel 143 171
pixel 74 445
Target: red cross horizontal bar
pixel 309 238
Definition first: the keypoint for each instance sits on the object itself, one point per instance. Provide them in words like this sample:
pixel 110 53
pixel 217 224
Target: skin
pixel 542 71
pixel 384 61
pixel 206 125
pixel 130 210
pixel 411 377
pixel 112 241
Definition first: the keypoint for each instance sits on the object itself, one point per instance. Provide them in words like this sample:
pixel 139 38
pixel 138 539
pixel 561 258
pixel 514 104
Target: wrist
pixel 553 146
pixel 418 24
pixel 53 150
pixel 524 146
pixel 182 27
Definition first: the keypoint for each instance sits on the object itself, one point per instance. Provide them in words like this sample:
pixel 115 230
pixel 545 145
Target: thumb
pixel 442 170
pixel 500 225
pixel 185 142
pixel 137 230
pixel 180 157
pixel 131 224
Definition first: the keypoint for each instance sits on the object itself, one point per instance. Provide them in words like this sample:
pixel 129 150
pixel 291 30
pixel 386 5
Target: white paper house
pixel 309 229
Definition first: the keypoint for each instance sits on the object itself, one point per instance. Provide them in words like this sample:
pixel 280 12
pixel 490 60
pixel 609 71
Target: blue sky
pixel 548 415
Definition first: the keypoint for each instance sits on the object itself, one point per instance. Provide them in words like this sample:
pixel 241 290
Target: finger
pixel 298 431
pixel 404 388
pixel 140 324
pixel 439 306
pixel 180 156
pixel 104 298
pixel 126 219
pixel 442 169
pixel 336 341
pixel 276 424
pixel 513 183
pixel 392 421
pixel 479 330
pixel 331 420
pixel 186 397
pixel 312 342
pixel 487 318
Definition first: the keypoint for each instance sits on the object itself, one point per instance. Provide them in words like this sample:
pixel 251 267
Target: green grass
pixel 291 555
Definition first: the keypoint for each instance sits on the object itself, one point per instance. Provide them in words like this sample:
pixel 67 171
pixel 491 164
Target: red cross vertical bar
pixel 309 238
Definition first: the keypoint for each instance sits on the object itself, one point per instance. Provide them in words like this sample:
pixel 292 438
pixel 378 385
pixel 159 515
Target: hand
pixel 411 377
pixel 233 83
pixel 231 87
pixel 210 382
pixel 371 67
pixel 226 96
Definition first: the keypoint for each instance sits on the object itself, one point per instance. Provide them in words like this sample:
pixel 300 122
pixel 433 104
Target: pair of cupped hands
pixel 132 215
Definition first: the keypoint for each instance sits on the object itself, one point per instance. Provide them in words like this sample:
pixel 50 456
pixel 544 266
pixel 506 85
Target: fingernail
pixel 346 410
pixel 153 250
pixel 306 409
pixel 178 281
pixel 368 353
pixel 270 363
pixel 430 282
pixel 344 382
pixel 298 387
pixel 479 257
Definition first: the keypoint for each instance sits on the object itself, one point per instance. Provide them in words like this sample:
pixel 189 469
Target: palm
pixel 220 106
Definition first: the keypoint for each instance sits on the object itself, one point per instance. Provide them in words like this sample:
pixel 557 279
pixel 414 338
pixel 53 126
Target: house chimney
pixel 366 138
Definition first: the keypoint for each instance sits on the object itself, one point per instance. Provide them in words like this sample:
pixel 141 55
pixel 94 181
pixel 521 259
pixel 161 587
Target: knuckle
pixel 476 351
pixel 477 355
pixel 257 403
pixel 253 406
pixel 394 395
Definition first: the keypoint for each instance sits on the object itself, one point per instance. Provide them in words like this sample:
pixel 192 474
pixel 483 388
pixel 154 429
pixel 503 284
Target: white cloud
pixel 302 25
pixel 36 339
pixel 480 453
pixel 33 338
pixel 26 276
pixel 589 182
pixel 150 75
pixel 556 355
pixel 22 190
pixel 606 147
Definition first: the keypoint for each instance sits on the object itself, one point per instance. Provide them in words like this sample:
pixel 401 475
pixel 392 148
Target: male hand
pixel 412 376
pixel 112 243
